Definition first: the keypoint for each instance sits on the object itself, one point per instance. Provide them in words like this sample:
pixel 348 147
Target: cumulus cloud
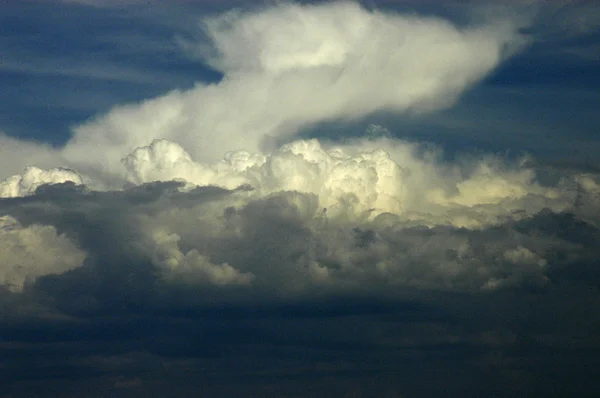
pixel 34 251
pixel 290 66
pixel 60 225
pixel 182 190
pixel 361 180
pixel 26 183
pixel 192 267
pixel 16 155
pixel 195 230
pixel 314 217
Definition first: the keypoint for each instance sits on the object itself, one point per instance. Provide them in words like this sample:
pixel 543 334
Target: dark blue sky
pixel 63 64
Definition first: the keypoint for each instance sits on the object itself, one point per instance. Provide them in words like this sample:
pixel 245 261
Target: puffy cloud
pixel 208 255
pixel 192 267
pixel 308 216
pixel 522 255
pixel 32 178
pixel 366 215
pixel 203 205
pixel 164 160
pixel 289 66
pixel 16 155
pixel 365 181
pixel 298 231
pixel 33 251
pixel 361 180
pixel 488 186
pixel 588 194
pixel 112 230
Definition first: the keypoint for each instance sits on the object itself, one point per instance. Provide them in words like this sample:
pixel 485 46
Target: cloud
pixel 312 218
pixel 206 202
pixel 189 190
pixel 128 3
pixel 361 180
pixel 192 267
pixel 111 230
pixel 196 233
pixel 30 252
pixel 290 66
pixel 26 183
pixel 16 154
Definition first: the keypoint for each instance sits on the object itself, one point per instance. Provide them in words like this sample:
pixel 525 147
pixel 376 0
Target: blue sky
pixel 64 64
pixel 305 199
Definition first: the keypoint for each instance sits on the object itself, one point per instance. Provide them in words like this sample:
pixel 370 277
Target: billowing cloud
pixel 207 187
pixel 362 180
pixel 290 66
pixel 16 154
pixel 26 183
pixel 315 217
pixel 34 251
pixel 175 244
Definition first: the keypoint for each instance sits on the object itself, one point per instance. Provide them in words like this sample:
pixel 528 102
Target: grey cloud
pixel 117 324
pixel 155 242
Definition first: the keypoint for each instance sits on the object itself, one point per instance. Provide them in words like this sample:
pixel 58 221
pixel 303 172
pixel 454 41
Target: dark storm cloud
pixel 142 242
pixel 129 332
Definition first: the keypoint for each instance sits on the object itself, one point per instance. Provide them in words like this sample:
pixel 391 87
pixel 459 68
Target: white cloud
pixel 282 242
pixel 360 180
pixel 300 231
pixel 30 252
pixel 26 183
pixel 17 154
pixel 164 160
pixel 524 256
pixel 290 66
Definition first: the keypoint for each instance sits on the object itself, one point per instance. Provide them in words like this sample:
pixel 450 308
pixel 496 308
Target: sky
pixel 301 199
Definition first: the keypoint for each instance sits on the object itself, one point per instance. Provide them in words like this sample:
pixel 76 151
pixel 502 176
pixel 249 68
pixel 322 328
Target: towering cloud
pixel 362 180
pixel 207 186
pixel 290 66
pixel 306 216
pixel 175 244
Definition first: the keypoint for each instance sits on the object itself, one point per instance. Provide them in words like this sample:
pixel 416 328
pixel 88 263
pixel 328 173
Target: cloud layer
pixel 207 188
pixel 305 218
